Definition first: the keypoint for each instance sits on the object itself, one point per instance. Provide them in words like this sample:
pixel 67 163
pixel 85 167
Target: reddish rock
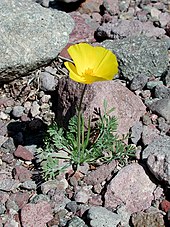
pixel 165 205
pixel 23 153
pixel 128 107
pixel 82 32
pixel 20 198
pixel 21 173
pixel 132 187
pixel 36 215
pixel 100 174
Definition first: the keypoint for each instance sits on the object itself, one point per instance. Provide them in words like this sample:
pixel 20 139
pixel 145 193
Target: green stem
pixel 79 123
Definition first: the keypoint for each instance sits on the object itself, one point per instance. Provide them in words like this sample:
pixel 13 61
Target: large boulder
pixel 128 107
pixel 31 36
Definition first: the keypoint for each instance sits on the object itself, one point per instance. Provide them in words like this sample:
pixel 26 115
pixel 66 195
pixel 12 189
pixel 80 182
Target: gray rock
pixel 11 205
pixel 124 216
pixel 18 111
pixel 47 81
pixel 167 78
pixel 158 158
pixel 40 197
pixel 72 206
pixel 128 28
pixel 135 60
pixel 101 217
pixel 136 132
pixel 162 92
pixel 2 208
pixel 82 195
pixel 29 184
pixel 30 36
pixel 138 82
pixel 150 132
pixel 76 222
pixel 152 84
pixel 162 108
pixel 8 184
pixel 3 139
pixel 162 125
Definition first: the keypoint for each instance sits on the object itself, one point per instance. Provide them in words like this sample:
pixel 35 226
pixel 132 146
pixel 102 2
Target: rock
pixel 3 139
pixel 158 158
pixel 72 206
pixel 165 205
pixel 148 219
pixel 27 46
pixel 8 184
pixel 22 152
pixel 128 107
pixel 39 198
pixel 101 217
pixel 128 28
pixel 154 61
pixel 35 109
pixel 58 199
pixel 29 185
pixel 18 111
pixel 20 198
pixel 138 82
pixel 54 184
pixel 155 13
pixel 162 91
pixel 82 31
pixel 150 132
pixel 124 215
pixel 152 84
pixel 132 187
pixel 47 81
pixel 11 205
pixel 82 195
pixel 162 108
pixel 4 196
pixel 2 209
pixel 100 174
pixel 167 79
pixel 90 6
pixel 136 132
pixel 164 19
pixel 112 7
pixel 11 223
pixel 124 5
pixel 21 173
pixel 162 125
pixel 76 222
pixel 36 214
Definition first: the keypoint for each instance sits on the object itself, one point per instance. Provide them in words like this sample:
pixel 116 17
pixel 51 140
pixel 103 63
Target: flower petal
pixel 73 73
pixel 106 64
pixel 83 55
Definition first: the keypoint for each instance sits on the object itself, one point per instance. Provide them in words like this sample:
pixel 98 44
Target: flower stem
pixel 79 123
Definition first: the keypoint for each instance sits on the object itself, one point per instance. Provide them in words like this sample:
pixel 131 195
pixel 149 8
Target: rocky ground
pixel 108 195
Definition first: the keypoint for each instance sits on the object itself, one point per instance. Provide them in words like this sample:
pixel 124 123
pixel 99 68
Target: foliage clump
pixel 97 144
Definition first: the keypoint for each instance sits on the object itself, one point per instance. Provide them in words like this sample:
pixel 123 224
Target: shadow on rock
pixel 28 132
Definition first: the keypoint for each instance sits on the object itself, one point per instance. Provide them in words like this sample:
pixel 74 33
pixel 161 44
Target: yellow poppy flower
pixel 91 64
